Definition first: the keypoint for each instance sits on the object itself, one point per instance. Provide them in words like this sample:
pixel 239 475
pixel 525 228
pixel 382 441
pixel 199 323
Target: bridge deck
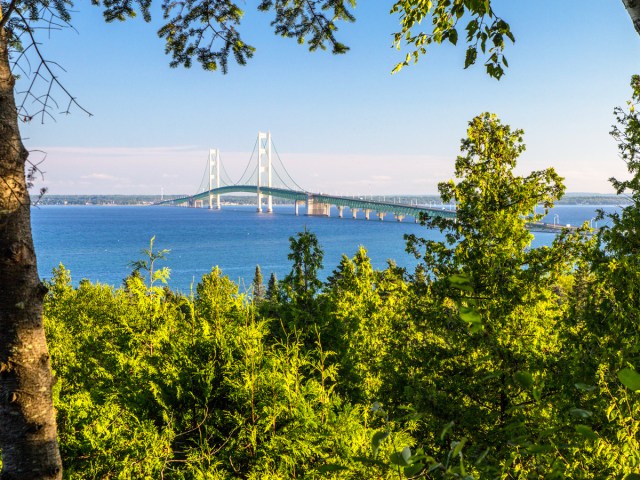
pixel 353 203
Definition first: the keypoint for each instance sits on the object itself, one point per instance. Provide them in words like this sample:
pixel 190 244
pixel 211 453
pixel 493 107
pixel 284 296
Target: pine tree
pixel 272 288
pixel 258 285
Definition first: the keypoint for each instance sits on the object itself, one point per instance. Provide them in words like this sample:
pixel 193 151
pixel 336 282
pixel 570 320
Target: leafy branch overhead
pixel 485 31
pixel 209 31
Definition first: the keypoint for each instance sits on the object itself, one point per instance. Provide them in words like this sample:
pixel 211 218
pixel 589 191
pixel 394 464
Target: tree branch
pixel 633 9
pixel 5 16
pixel 47 98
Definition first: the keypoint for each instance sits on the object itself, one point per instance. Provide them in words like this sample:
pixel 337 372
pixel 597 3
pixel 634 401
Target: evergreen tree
pixel 273 288
pixel 302 282
pixel 258 286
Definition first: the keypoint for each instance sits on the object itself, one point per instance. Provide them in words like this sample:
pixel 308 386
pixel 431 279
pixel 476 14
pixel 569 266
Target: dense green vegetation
pixel 491 360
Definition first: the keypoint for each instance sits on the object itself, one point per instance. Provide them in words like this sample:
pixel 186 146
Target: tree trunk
pixel 633 8
pixel 28 442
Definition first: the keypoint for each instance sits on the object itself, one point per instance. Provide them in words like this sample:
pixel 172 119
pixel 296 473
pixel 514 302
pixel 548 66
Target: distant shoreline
pixel 142 200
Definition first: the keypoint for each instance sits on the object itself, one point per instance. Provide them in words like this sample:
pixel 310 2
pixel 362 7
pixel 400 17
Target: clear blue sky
pixel 342 124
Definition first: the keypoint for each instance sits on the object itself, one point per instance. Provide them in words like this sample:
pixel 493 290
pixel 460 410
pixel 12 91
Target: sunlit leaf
pixel 630 379
pixel 470 315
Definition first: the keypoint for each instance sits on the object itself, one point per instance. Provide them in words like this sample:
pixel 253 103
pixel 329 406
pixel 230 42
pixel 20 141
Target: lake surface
pixel 98 243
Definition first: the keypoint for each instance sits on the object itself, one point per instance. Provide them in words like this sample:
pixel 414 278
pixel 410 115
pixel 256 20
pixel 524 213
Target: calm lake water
pixel 98 243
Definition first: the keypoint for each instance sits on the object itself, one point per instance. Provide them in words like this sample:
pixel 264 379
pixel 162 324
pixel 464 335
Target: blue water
pixel 98 243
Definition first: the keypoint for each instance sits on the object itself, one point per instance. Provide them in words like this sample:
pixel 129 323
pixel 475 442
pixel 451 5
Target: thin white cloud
pixel 117 151
pixel 99 176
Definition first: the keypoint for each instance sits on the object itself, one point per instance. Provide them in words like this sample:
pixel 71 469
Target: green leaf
pixel 524 379
pixel 453 36
pixel 406 454
pixel 470 57
pixel 586 431
pixel 459 280
pixel 629 378
pixel 470 315
pixel 331 467
pixel 580 413
pixel 377 439
pixel 537 393
pixel 457 446
pixel 481 457
pixel 398 458
pixel 445 430
pixel 414 469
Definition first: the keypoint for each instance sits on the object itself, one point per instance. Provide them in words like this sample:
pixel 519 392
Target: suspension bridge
pixel 269 178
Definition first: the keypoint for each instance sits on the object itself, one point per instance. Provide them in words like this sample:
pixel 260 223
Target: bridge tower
pixel 214 176
pixel 264 156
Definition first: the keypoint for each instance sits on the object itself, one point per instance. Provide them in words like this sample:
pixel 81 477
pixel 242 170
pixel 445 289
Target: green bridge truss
pixel 352 203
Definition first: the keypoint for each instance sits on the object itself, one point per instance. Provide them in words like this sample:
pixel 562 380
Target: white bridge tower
pixel 264 167
pixel 214 176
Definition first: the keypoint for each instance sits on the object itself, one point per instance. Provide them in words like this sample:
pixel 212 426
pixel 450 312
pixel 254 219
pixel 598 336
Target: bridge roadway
pixel 319 204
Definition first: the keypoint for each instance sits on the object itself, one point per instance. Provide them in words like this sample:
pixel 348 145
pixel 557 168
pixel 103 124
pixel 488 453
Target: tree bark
pixel 633 9
pixel 28 444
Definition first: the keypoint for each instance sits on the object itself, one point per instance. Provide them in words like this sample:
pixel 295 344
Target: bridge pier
pixel 354 212
pixel 340 210
pixel 399 217
pixel 381 215
pixel 367 212
pixel 217 201
pixel 316 208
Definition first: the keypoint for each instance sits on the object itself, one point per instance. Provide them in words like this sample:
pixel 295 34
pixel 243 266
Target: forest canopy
pixel 492 359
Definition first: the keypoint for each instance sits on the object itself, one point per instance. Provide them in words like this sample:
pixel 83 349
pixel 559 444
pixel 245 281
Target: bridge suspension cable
pixel 286 172
pixel 204 183
pixel 281 175
pixel 239 182
pixel 228 180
